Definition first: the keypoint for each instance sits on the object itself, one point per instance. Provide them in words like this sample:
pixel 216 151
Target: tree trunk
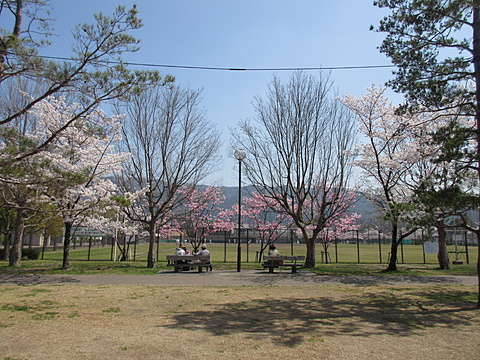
pixel 325 251
pixel 6 45
pixel 392 264
pixel 476 66
pixel 6 246
pixel 478 268
pixel 478 265
pixel 310 258
pixel 151 258
pixel 260 255
pixel 15 255
pixel 66 246
pixel 443 260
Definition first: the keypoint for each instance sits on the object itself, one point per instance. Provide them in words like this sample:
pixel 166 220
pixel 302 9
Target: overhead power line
pixel 214 68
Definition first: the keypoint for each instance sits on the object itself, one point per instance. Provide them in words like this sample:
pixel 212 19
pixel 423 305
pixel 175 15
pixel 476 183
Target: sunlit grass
pixel 342 261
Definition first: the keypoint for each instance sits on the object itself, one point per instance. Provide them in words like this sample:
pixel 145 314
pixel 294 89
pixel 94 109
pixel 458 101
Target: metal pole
pixel 466 248
pixel 358 248
pixel 248 246
pixel 379 246
pixel 239 248
pixel 135 249
pixel 225 246
pixel 89 247
pixel 113 255
pixel 291 242
pixel 401 248
pixel 336 250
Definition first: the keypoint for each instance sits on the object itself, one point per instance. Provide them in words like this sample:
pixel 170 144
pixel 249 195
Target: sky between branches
pixel 247 34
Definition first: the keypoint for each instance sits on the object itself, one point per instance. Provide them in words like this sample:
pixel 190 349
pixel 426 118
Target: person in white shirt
pixel 273 251
pixel 204 251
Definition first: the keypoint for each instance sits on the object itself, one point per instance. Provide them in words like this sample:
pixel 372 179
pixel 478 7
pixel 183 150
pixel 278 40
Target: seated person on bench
pixel 204 251
pixel 273 251
pixel 182 250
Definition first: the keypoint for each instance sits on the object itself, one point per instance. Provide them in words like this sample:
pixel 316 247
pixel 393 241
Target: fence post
pixel 291 242
pixel 401 248
pixel 379 247
pixel 248 244
pixel 89 246
pixel 358 248
pixel 336 250
pixel 113 248
pixel 135 249
pixel 466 247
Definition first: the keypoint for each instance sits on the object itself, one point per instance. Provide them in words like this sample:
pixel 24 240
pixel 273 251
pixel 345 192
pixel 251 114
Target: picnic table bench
pixel 272 262
pixel 189 262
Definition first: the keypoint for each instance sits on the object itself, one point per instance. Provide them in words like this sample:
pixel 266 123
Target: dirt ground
pixel 49 321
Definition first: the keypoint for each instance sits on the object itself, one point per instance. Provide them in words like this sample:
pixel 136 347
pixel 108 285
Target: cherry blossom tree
pixel 337 227
pixel 384 169
pixel 403 170
pixel 266 217
pixel 444 186
pixel 435 45
pixel 78 164
pixel 197 217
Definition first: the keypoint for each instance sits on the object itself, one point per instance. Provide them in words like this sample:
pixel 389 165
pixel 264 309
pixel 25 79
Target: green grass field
pixel 344 253
pixel 342 261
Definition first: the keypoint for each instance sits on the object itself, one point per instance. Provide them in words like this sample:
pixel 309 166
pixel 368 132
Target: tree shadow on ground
pixel 292 321
pixel 310 278
pixel 33 279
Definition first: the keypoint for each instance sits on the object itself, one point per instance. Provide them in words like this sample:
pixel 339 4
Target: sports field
pixel 342 253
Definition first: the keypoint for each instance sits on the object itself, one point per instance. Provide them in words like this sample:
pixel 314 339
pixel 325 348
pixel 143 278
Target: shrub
pixel 31 254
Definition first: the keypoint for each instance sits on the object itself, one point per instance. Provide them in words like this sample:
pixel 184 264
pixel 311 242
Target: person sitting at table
pixel 273 250
pixel 204 251
pixel 182 250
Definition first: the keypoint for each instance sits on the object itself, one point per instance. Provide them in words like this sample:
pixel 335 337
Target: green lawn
pixel 343 261
pixel 343 253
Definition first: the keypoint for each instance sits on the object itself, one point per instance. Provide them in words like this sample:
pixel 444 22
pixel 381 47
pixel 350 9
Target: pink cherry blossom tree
pixel 337 227
pixel 199 215
pixel 265 217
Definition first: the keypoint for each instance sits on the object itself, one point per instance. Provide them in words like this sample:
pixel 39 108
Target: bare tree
pixel 297 152
pixel 173 146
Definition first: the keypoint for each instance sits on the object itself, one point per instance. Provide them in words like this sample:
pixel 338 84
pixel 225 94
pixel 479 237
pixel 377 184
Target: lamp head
pixel 240 154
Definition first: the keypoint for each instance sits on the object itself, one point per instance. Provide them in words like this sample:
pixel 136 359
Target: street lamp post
pixel 239 155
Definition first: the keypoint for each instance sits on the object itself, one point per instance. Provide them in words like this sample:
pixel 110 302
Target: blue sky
pixel 243 34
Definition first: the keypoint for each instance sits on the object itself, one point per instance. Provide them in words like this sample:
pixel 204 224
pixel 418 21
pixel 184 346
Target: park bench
pixel 189 262
pixel 272 262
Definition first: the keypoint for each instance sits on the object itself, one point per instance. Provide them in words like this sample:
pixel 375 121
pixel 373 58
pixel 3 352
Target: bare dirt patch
pixel 317 322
